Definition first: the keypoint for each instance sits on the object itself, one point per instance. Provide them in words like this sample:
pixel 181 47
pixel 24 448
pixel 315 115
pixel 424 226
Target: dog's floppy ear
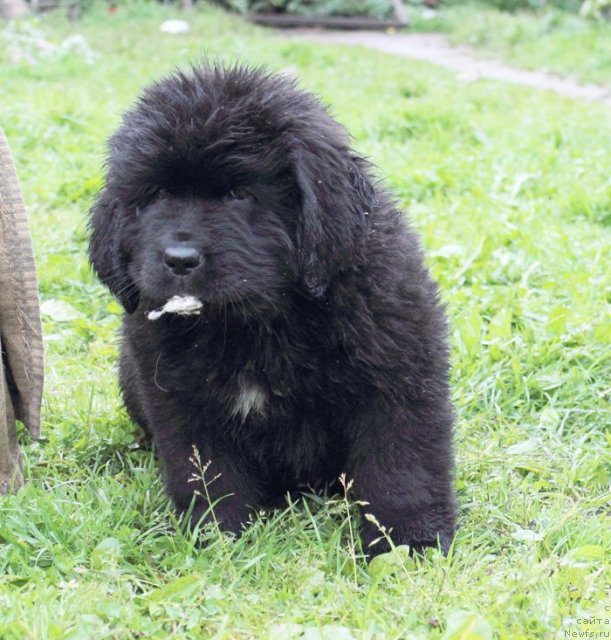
pixel 106 252
pixel 337 196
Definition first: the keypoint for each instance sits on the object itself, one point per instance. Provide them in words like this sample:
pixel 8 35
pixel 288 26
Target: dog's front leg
pixel 195 473
pixel 401 466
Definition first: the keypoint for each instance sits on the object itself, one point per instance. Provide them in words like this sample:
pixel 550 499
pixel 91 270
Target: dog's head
pixel 232 186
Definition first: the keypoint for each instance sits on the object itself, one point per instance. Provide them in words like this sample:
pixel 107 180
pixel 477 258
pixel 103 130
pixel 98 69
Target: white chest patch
pixel 250 398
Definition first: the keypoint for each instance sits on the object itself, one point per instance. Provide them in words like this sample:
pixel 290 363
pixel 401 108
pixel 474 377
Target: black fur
pixel 319 315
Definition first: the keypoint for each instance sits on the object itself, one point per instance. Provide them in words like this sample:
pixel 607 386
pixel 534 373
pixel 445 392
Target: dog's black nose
pixel 182 259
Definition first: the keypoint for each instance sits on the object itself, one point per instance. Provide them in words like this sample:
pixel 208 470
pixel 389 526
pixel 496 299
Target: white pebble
pixel 175 27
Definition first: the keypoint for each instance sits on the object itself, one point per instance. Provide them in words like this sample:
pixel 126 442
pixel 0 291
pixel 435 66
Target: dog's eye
pixel 238 194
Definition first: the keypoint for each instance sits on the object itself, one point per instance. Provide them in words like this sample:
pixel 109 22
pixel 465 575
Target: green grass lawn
pixel 511 191
pixel 554 40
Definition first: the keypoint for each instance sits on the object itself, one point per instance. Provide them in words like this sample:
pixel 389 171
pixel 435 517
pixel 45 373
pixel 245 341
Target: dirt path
pixel 435 49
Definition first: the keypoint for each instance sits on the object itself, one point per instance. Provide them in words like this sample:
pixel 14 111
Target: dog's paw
pixel 376 541
pixel 228 518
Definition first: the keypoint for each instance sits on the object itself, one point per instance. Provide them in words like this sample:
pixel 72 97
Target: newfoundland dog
pixel 279 318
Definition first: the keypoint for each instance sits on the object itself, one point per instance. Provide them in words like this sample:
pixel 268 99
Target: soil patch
pixel 464 61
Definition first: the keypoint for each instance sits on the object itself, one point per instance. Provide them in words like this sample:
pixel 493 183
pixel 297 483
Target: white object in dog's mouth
pixel 181 305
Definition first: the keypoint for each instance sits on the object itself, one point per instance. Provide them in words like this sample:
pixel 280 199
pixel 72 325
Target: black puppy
pixel 303 337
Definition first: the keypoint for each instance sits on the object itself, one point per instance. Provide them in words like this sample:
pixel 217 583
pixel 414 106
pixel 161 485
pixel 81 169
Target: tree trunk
pixel 400 12
pixel 12 9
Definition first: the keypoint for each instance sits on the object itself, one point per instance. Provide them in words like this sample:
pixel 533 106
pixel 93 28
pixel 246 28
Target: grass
pixel 511 192
pixel 558 41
